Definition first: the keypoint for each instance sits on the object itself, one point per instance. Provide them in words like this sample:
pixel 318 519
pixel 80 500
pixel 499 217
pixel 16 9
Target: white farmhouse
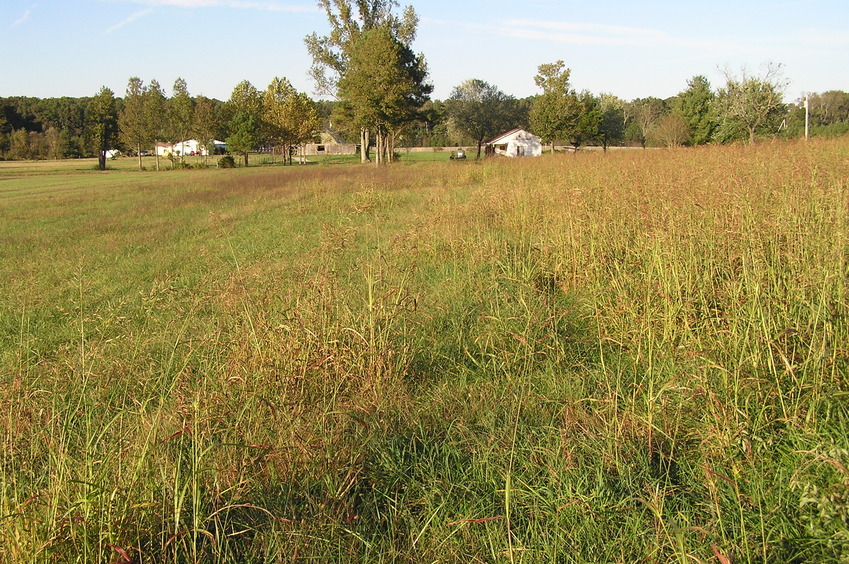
pixel 515 143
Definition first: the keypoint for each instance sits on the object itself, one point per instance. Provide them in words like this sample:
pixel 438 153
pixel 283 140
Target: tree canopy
pixel 383 87
pixel 348 20
pixel 747 101
pixel 480 110
pixel 102 116
pixel 290 116
pixel 134 125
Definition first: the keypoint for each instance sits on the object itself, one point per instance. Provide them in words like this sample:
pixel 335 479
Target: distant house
pixel 515 143
pixel 187 148
pixel 331 143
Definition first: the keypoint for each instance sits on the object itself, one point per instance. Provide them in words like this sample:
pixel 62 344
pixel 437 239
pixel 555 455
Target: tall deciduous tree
pixel 245 99
pixel 747 102
pixel 480 110
pixel 383 87
pixel 246 128
pixel 180 113
pixel 829 107
pixel 671 130
pixel 305 121
pixel 290 116
pixel 102 119
pixel 556 112
pixel 348 20
pixel 644 113
pixel 155 115
pixel 243 136
pixel 134 129
pixel 275 114
pixel 611 129
pixel 561 114
pixel 205 123
pixel 589 120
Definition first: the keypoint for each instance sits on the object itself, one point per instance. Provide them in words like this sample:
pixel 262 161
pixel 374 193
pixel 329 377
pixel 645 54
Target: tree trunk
pixel 246 159
pixel 364 145
pixel 101 159
pixel 138 152
pixel 478 157
pixel 390 146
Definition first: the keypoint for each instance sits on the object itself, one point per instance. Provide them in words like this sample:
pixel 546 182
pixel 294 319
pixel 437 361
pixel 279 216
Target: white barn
pixel 516 143
pixel 189 147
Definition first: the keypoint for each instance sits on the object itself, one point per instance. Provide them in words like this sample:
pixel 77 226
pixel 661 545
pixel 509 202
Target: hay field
pixel 634 356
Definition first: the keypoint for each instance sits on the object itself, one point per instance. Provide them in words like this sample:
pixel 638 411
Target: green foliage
pixel 561 114
pixel 245 99
pixel 590 119
pixel 828 116
pixel 290 117
pixel 102 119
pixel 135 128
pixel 206 123
pixel 642 114
pixel 697 105
pixel 611 128
pixel 331 54
pixel 480 110
pixel 556 112
pixel 748 104
pixel 155 114
pixel 180 112
pixel 243 136
pixel 227 161
pixel 383 87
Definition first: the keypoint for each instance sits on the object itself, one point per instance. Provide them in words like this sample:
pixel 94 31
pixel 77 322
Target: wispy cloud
pixel 824 38
pixel 585 33
pixel 268 6
pixel 23 19
pixel 133 17
pixel 599 34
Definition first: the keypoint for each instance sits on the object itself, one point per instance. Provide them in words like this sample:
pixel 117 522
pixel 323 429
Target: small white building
pixel 515 143
pixel 187 148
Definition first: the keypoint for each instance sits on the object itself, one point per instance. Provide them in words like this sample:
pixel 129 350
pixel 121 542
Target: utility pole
pixel 807 118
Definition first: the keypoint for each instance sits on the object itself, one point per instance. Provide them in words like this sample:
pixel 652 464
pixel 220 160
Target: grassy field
pixel 10 169
pixel 640 356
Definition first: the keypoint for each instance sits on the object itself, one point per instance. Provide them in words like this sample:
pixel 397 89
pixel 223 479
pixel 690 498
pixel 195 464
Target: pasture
pixel 633 356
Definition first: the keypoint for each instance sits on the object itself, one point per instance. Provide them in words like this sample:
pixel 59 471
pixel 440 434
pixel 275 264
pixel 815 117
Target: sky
pixel 633 49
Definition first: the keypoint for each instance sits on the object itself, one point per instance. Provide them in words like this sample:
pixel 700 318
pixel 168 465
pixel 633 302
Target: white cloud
pixel 268 6
pixel 131 19
pixel 22 20
pixel 600 34
pixel 597 31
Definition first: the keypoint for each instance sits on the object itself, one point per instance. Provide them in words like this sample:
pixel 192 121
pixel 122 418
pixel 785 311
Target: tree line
pixel 380 95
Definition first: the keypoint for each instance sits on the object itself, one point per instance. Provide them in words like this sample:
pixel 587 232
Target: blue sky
pixel 628 48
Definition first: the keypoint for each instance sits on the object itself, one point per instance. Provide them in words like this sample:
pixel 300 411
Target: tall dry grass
pixel 612 358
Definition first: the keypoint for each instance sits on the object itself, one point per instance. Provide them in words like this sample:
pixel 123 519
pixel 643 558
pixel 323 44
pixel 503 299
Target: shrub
pixel 227 161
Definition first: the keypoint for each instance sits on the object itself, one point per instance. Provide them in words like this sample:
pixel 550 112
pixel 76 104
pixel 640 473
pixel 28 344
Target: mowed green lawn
pixel 634 356
pixel 129 164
